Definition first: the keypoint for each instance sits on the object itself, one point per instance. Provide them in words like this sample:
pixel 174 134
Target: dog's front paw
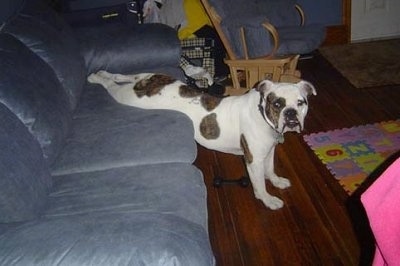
pixel 273 203
pixel 280 182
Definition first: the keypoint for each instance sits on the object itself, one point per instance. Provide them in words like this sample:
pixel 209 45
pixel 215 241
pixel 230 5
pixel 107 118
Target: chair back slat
pixel 216 21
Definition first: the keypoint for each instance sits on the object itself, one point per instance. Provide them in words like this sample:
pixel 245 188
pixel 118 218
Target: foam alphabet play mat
pixel 351 154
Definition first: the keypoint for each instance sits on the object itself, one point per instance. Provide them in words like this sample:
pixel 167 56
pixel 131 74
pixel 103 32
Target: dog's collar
pixel 279 138
pixel 277 135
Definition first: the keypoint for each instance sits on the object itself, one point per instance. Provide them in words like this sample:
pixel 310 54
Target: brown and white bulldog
pixel 250 125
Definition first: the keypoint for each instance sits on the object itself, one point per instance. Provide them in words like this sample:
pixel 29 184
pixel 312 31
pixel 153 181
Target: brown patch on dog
pixel 153 85
pixel 209 128
pixel 209 102
pixel 274 106
pixel 186 91
pixel 248 156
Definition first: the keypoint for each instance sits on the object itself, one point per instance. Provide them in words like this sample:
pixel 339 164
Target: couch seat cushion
pixel 106 134
pixel 176 188
pixel 107 239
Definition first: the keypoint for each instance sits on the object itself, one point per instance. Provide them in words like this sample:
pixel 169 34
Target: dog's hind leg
pixel 102 80
pixel 104 75
pixel 120 78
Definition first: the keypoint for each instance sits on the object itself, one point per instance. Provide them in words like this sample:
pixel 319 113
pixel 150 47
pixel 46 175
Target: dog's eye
pixel 277 104
pixel 300 103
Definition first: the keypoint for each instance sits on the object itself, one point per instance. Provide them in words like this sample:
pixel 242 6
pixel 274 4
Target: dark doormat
pixel 368 64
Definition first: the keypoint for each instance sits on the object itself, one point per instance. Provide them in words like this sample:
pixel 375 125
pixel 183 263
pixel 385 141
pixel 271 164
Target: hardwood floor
pixel 319 224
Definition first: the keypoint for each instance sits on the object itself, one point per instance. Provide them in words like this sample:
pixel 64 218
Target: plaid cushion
pixel 199 52
pixel 198 47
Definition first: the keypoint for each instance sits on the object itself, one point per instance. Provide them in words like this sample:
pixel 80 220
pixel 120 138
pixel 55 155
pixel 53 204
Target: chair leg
pixel 234 76
pixel 290 73
pixel 293 65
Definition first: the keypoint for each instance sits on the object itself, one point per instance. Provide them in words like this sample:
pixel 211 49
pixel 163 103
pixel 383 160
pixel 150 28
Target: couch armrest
pixel 123 49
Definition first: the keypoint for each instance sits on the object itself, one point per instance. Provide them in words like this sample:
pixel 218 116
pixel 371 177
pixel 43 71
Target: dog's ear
pixel 264 86
pixel 307 88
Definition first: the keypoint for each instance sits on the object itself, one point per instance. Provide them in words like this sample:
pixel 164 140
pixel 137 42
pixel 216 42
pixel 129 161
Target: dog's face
pixel 285 105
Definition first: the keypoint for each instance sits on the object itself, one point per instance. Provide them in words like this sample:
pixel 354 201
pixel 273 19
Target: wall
pixel 375 19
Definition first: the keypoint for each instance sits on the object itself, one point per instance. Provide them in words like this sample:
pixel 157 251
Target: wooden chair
pixel 245 72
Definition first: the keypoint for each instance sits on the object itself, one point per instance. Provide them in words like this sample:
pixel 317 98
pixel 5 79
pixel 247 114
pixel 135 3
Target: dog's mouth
pixel 291 123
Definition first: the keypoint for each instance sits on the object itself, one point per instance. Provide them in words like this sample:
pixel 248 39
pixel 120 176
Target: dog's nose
pixel 291 113
pixel 291 118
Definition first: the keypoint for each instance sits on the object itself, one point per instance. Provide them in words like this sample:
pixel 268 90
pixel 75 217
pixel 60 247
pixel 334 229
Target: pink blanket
pixel 382 204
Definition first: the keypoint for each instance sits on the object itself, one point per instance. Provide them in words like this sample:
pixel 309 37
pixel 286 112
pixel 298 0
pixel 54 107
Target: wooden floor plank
pixel 315 226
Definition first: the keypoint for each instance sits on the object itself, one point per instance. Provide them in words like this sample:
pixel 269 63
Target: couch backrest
pixel 24 179
pixel 9 8
pixel 31 90
pixel 43 31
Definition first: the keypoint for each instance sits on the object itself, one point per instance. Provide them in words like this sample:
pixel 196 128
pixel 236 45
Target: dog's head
pixel 284 105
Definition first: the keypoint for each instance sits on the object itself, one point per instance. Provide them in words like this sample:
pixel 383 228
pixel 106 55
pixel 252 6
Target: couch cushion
pixel 126 137
pixel 121 49
pixel 24 178
pixel 258 40
pixel 9 8
pixel 47 35
pixel 29 88
pixel 110 135
pixel 174 188
pixel 108 239
pixel 300 40
pixel 279 12
pixel 292 39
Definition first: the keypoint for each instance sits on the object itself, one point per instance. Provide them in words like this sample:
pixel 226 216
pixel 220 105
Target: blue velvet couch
pixel 83 179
